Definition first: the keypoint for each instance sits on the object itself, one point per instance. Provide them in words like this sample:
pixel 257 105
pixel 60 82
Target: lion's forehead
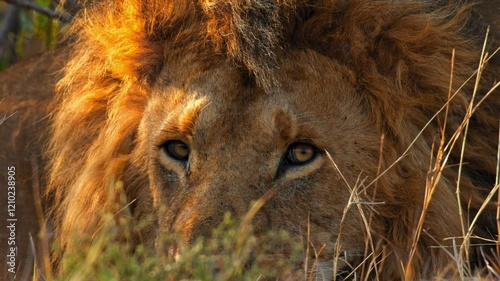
pixel 210 117
pixel 229 91
pixel 219 103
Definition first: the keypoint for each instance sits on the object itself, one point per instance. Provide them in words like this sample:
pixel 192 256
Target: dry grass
pixel 460 252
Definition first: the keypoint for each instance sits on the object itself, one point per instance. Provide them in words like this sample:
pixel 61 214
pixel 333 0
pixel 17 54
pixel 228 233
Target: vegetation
pixel 25 31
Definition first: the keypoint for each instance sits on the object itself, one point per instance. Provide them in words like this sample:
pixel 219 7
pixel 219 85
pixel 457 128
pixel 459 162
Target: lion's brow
pixel 184 123
pixel 284 124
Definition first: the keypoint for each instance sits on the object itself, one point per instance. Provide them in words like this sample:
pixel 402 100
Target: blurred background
pixel 29 27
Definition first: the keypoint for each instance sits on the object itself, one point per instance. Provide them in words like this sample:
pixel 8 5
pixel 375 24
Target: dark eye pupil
pixel 300 153
pixel 177 150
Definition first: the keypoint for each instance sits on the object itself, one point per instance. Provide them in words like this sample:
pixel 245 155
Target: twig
pixel 46 11
pixel 10 24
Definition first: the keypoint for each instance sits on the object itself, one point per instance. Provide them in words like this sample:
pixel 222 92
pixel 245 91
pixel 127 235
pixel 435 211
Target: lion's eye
pixel 177 150
pixel 300 154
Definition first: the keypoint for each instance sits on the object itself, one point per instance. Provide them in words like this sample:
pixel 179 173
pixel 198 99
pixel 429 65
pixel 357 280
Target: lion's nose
pixel 200 221
pixel 201 228
pixel 206 204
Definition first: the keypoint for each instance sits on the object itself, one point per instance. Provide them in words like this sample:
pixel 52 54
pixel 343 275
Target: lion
pixel 341 110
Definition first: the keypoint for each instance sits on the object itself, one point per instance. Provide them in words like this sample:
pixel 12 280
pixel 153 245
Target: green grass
pixel 232 253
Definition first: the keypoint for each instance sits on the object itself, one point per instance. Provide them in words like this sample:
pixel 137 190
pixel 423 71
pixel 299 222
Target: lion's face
pixel 215 143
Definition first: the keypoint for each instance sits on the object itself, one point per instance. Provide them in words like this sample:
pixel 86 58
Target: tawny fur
pixel 390 61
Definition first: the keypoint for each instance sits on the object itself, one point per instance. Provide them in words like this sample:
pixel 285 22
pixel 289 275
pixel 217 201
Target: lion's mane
pixel 400 52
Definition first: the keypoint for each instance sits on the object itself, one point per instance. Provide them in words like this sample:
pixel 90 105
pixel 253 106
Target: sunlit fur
pixel 384 64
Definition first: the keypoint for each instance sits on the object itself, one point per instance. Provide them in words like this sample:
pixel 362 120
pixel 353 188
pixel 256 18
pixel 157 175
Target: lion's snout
pixel 207 207
pixel 196 226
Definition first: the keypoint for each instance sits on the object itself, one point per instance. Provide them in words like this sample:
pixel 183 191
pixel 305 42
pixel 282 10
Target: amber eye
pixel 177 150
pixel 299 154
